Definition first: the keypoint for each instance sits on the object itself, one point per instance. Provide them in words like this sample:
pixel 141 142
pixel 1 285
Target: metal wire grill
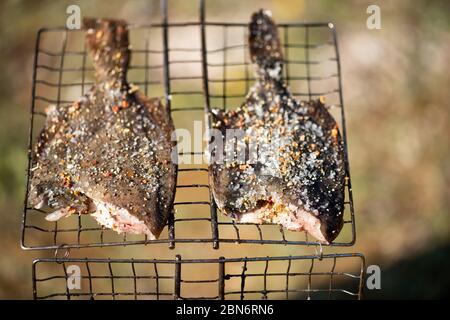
pixel 189 65
pixel 312 70
pixel 301 277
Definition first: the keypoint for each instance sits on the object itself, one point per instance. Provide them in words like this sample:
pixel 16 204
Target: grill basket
pixel 300 277
pixel 210 68
pixel 214 71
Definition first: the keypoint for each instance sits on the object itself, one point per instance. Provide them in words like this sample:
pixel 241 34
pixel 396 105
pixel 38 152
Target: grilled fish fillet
pixel 109 153
pixel 298 174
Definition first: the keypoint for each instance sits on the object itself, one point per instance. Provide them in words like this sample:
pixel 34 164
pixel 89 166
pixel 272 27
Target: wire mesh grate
pixel 291 277
pixel 312 70
pixel 209 67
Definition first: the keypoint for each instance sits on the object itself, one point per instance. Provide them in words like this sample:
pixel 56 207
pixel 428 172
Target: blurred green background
pixel 396 90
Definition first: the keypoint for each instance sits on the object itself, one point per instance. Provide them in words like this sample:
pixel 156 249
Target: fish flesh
pixel 287 165
pixel 109 153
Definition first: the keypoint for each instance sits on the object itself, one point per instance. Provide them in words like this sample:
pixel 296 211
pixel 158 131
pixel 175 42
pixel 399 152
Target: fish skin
pixel 300 184
pixel 111 146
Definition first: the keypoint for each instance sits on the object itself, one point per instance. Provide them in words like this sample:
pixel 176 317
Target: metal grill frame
pixel 213 221
pixel 221 281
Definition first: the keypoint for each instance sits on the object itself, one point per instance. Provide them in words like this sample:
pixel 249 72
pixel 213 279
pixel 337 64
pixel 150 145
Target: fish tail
pixel 107 40
pixel 265 46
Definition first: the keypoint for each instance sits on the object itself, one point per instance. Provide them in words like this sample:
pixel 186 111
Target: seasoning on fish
pixel 295 175
pixel 109 153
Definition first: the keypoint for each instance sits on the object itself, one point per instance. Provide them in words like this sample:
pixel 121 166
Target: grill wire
pixel 229 279
pixel 62 73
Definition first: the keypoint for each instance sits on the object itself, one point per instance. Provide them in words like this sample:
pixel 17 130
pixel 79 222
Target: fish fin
pixel 107 39
pixel 265 46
